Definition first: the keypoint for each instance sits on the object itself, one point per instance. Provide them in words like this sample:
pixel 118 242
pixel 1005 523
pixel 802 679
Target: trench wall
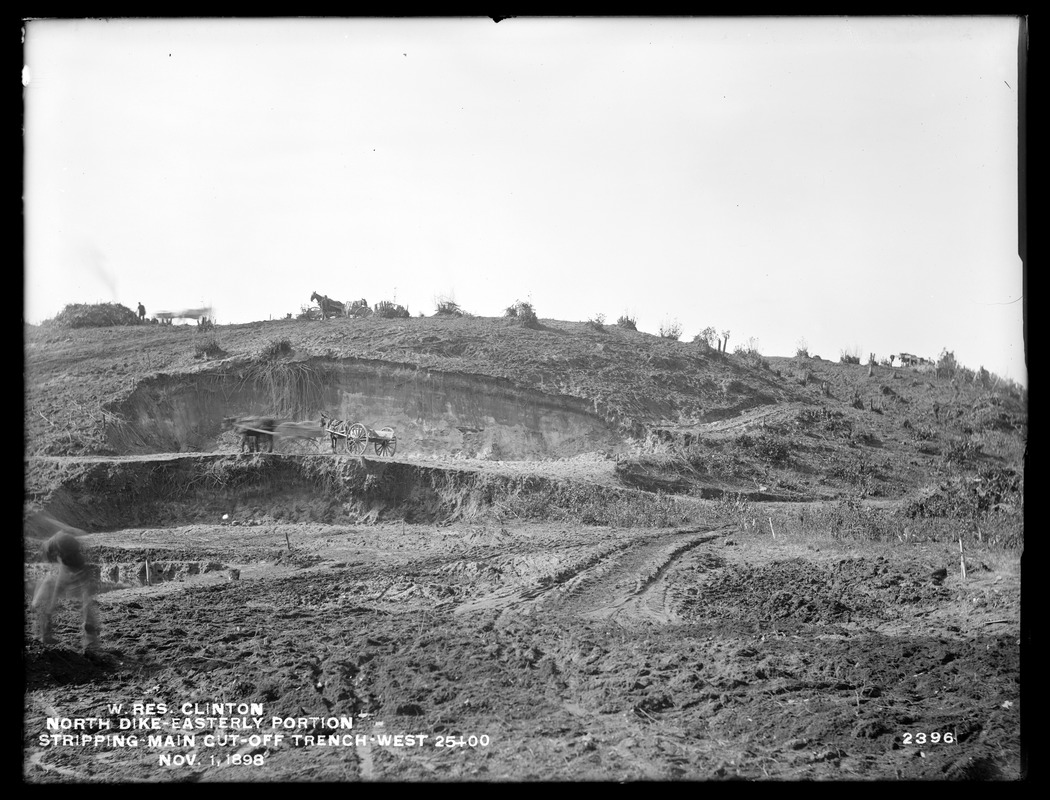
pixel 432 413
pixel 110 494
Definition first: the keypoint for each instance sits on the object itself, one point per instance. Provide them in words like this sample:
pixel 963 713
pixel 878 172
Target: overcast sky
pixel 849 184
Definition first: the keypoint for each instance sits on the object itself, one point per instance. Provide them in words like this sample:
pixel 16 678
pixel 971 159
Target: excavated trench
pixel 106 493
pixel 432 413
pixel 176 460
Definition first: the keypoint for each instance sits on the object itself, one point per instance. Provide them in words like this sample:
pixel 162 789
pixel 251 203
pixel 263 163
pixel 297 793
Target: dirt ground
pixel 528 653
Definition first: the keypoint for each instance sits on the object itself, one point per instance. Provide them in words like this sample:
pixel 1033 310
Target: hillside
pixel 661 414
pixel 593 555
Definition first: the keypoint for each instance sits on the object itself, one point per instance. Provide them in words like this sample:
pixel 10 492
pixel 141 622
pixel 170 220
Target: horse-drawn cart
pixel 357 437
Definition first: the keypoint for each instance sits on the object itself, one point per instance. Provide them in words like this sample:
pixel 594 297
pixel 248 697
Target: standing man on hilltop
pixel 142 313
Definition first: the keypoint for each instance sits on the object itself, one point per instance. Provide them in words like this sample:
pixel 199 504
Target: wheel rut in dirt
pixel 628 581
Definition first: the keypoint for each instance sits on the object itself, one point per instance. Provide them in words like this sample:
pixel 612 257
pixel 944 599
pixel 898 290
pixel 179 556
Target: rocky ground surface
pixel 529 652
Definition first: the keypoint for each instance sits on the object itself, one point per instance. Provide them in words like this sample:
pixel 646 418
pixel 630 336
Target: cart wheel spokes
pixel 356 439
pixel 385 447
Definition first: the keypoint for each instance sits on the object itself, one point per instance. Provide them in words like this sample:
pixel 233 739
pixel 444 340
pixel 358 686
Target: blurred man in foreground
pixel 69 575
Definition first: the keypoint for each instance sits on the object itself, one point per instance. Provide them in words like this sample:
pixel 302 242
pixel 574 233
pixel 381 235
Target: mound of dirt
pixel 98 315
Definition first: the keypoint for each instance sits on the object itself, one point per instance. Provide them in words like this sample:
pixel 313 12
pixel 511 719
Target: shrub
pixel 627 322
pixel 802 349
pixel 446 307
pixel 961 452
pixel 946 364
pixel 860 474
pixel 707 338
pixel 597 322
pixel 524 313
pixel 749 352
pixel 770 447
pixel 387 310
pixel 671 329
pixel 850 356
pixel 994 490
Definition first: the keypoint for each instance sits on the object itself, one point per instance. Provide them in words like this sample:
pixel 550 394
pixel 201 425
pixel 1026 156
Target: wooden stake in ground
pixel 962 559
pixel 771 527
pixel 288 541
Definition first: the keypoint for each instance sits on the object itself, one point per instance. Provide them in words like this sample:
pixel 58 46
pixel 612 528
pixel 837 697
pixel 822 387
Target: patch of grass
pixel 771 448
pixel 276 349
pixel 736 509
pixel 628 322
pixel 593 506
pixel 208 348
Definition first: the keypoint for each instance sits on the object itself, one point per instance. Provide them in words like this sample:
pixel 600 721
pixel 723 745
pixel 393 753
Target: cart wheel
pixel 356 439
pixel 385 447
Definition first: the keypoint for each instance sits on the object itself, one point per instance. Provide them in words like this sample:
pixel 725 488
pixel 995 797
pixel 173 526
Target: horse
pixel 329 307
pixel 70 574
pixel 337 428
pixel 251 430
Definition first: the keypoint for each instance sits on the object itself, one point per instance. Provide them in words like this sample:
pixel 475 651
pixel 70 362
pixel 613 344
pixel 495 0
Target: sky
pixel 846 185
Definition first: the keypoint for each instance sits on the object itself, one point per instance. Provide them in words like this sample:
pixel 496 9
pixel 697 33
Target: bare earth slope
pixel 596 555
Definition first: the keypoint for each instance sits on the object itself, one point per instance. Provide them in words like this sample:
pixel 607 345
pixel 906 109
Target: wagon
pixel 358 436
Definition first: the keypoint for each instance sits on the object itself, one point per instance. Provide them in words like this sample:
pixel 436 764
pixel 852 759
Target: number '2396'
pixel 934 737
